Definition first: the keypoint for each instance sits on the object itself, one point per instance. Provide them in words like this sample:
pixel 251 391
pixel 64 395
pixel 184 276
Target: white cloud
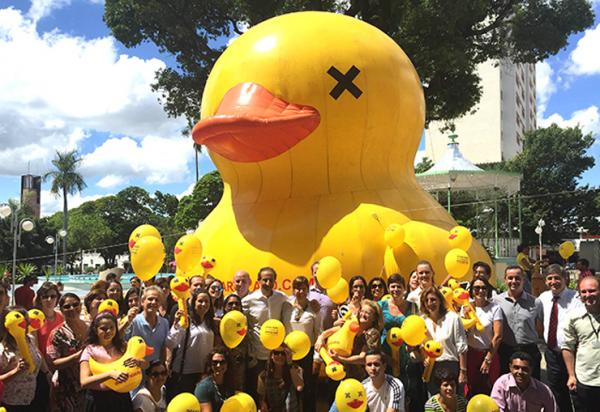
pixel 51 203
pixel 57 90
pixel 187 191
pixel 588 119
pixel 153 159
pixel 419 157
pixel 585 58
pixel 110 181
pixel 545 86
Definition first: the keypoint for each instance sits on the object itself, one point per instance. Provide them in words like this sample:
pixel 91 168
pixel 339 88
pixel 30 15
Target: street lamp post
pixel 55 240
pixel 24 224
pixel 539 229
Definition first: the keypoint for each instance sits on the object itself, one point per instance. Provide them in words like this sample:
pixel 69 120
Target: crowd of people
pixel 501 357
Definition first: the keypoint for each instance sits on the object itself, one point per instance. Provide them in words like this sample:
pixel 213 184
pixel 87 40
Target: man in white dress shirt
pixel 260 306
pixel 558 301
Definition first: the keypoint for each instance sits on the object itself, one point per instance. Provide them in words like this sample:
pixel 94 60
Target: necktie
pixel 553 323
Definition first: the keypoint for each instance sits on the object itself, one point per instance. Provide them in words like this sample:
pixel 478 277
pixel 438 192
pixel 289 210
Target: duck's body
pixel 136 349
pixel 16 324
pixel 326 164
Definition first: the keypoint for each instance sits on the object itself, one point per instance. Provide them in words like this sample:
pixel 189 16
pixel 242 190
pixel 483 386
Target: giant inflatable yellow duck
pixel 313 120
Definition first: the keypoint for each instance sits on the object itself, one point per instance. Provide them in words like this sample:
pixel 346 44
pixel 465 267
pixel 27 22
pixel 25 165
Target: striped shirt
pixel 434 405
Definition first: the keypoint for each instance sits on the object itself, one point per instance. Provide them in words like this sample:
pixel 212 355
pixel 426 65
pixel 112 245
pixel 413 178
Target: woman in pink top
pixel 105 345
pixel 46 300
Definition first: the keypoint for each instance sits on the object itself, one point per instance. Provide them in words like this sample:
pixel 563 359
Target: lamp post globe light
pixel 24 225
pixel 55 240
pixel 538 230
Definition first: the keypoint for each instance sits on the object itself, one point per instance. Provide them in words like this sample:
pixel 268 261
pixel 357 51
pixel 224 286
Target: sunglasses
pixel 49 297
pixel 157 374
pixel 71 306
pixel 376 285
pixel 279 353
pixel 216 288
pixel 219 362
pixel 479 288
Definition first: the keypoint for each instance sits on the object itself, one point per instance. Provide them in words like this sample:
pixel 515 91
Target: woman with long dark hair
pixel 215 290
pixel 216 386
pixel 65 346
pixel 357 289
pixel 114 291
pixel 105 345
pixel 376 289
pixel 279 384
pixel 190 346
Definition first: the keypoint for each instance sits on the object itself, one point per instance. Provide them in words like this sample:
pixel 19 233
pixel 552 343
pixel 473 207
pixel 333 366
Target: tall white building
pixel 507 109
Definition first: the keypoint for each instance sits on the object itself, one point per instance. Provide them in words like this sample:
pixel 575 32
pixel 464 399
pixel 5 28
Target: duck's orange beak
pixel 182 287
pixel 252 124
pixel 149 350
pixel 131 244
pixel 177 250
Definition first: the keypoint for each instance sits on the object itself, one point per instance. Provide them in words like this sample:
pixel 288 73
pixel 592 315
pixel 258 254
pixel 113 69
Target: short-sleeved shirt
pixel 207 391
pixel 200 341
pixel 46 330
pixel 536 398
pixel 100 355
pixel 487 315
pixel 582 337
pixel 434 405
pixel 389 395
pixel 520 318
pixel 326 306
pixel 450 333
pixel 20 389
pixel 143 400
pixel 24 297
pixel 154 337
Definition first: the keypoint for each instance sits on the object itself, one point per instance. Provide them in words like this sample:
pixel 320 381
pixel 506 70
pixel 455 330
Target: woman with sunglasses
pixel 187 347
pixel 212 391
pixel 152 397
pixel 376 289
pixel 46 300
pixel 483 363
pixel 305 317
pixel 65 346
pixel 237 356
pixel 215 290
pixel 279 384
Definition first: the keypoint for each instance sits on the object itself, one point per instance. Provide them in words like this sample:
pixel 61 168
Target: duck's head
pixel 394 337
pixel 208 262
pixel 461 296
pixel 433 349
pixel 36 319
pixel 141 231
pixel 15 323
pixel 180 287
pixel 188 253
pixel 460 238
pixel 351 395
pixel 331 96
pixel 109 305
pixel 137 348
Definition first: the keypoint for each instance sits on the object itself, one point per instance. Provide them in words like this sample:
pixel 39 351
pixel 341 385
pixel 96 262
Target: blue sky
pixel 65 83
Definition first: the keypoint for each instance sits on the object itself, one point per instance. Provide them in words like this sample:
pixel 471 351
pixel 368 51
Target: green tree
pixel 201 202
pixel 444 40
pixel 66 180
pixel 424 165
pixel 552 163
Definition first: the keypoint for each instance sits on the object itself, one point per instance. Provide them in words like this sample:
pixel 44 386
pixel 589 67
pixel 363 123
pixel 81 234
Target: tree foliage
pixel 444 40
pixel 424 165
pixel 207 193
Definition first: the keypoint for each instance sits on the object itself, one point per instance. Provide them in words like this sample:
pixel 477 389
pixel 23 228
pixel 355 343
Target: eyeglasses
pixel 278 353
pixel 157 374
pixel 217 362
pixel 479 288
pixel 68 306
pixel 377 285
pixel 49 297
pixel 216 288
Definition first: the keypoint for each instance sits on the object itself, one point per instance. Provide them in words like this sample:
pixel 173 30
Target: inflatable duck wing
pixel 16 324
pixel 313 120
pixel 137 349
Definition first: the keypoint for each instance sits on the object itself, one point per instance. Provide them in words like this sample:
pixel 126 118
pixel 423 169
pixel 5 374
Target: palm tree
pixel 65 179
pixel 197 151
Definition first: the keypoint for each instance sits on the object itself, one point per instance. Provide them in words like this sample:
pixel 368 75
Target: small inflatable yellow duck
pixel 136 349
pixel 16 324
pixel 313 120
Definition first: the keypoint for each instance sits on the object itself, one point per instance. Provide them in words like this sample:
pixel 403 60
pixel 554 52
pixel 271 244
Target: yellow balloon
pixel 272 333
pixel 339 293
pixel 109 305
pixel 184 402
pixel 566 249
pixel 299 344
pixel 36 319
pixel 482 403
pixel 329 272
pixel 413 330
pixel 394 235
pixel 143 231
pixel 460 238
pixel 147 257
pixel 188 253
pixel 240 402
pixel 457 263
pixel 350 396
pixel 233 328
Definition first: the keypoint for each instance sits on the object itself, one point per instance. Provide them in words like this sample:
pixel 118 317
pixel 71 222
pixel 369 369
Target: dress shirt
pixel 327 306
pixel 200 342
pixel 259 309
pixel 536 398
pixel 567 302
pixel 306 321
pixel 450 333
pixel 520 317
pixel 581 337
